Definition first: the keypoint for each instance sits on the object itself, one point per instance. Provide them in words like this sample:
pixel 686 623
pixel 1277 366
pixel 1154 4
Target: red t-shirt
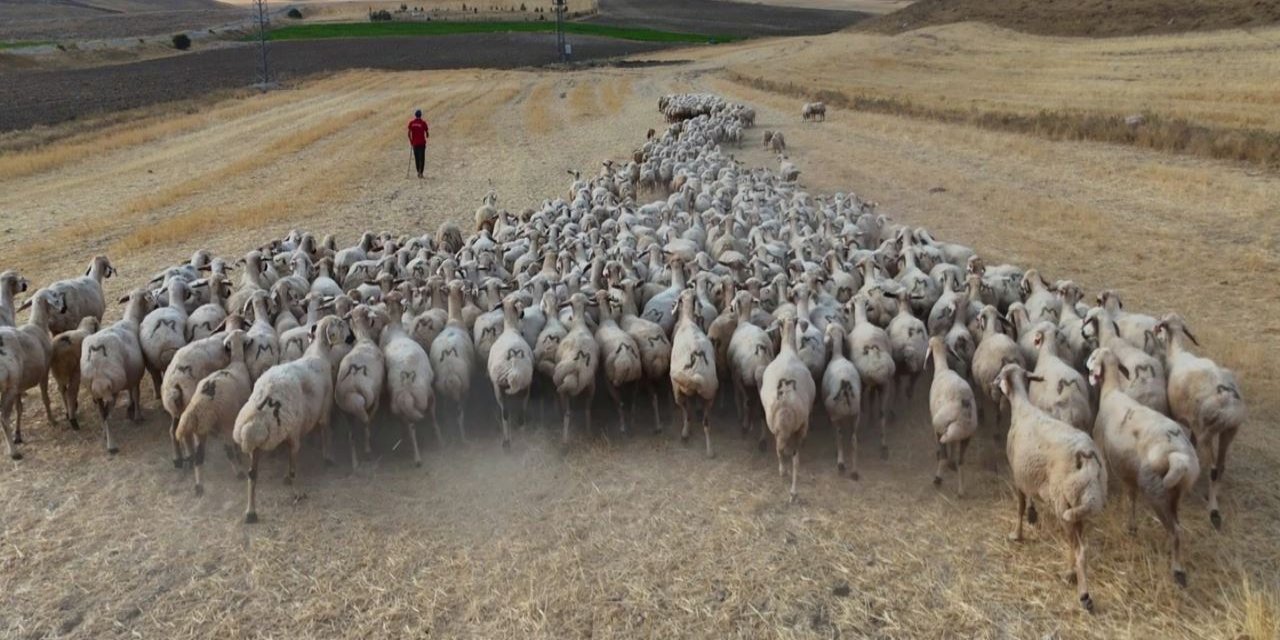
pixel 418 132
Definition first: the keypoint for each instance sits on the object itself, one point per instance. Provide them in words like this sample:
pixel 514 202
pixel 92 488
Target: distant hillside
pixel 1098 18
pixel 86 19
pixel 36 9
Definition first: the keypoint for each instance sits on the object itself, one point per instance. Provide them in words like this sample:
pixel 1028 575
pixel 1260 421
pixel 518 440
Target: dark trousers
pixel 420 157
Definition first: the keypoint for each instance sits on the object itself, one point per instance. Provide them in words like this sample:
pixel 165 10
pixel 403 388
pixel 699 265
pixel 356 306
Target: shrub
pixel 182 42
pixel 380 16
pixel 294 13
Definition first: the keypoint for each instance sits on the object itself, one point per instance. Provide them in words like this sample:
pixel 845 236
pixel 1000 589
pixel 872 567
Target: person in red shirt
pixel 418 134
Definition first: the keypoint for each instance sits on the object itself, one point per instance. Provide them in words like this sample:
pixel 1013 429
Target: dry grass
pixel 1085 17
pixel 640 537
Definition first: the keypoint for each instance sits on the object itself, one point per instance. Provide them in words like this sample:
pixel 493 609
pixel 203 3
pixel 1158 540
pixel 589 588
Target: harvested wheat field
pixel 640 536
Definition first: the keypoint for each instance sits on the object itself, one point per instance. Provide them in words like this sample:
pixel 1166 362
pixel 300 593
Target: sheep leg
pixel 177 446
pixel 1168 514
pixel 1219 444
pixel 591 396
pixel 853 447
pixel 412 432
pixel 292 475
pixel 197 461
pixel 17 430
pixel 566 407
pixel 104 409
pixel 1076 531
pixel 502 415
pixel 435 424
pixel 941 457
pixel 838 427
pixel 795 473
pixel 782 469
pixel 960 449
pixel 156 376
pixel 462 423
pixel 71 400
pixel 684 411
pixel 233 456
pixel 44 396
pixel 764 427
pixel 884 397
pixel 1133 510
pixel 351 440
pixel 706 425
pixel 1016 536
pixel 740 403
pixel 135 402
pixel 251 511
pixel 657 417
pixel 8 441
pixel 617 399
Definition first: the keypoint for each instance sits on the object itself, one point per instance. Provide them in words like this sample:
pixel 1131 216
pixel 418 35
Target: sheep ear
pixel 222 326
pixel 25 304
pixel 1188 334
pixel 1116 326
pixel 1124 371
pixel 123 299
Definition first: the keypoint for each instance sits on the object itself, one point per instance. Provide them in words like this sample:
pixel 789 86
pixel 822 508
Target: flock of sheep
pixel 737 286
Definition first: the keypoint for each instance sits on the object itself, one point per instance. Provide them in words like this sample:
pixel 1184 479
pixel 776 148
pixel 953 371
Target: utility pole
pixel 560 43
pixel 262 22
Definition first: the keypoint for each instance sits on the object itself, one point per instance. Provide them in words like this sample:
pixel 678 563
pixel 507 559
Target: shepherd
pixel 418 134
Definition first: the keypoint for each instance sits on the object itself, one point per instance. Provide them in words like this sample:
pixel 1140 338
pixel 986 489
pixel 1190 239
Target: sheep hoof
pixel 854 476
pixel 711 455
pixel 1133 529
pixel 251 517
pixel 1032 516
pixel 1213 474
pixel 1069 576
pixel 288 480
pixel 1013 537
pixel 840 468
pixel 199 490
pixel 17 439
pixel 763 446
pixel 795 497
pixel 417 463
pixel 1216 518
pixel 16 455
pixel 884 452
pixel 329 463
pixel 177 463
pixel 1180 577
pixel 937 481
pixel 684 438
pixel 75 424
pixel 1086 602
pixel 240 475
pixel 113 450
pixel 506 445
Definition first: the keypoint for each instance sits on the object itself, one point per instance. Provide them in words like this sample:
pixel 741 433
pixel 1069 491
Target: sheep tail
pixel 1088 485
pixel 1181 467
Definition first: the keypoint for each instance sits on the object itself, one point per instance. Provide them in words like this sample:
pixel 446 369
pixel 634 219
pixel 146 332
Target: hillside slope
pixel 1098 18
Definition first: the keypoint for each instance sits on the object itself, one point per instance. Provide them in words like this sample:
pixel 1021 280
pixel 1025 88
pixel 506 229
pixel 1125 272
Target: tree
pixel 294 13
pixel 182 42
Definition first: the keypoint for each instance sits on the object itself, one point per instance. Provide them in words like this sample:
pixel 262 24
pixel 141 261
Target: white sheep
pixel 1206 399
pixel 995 351
pixel 361 374
pixel 750 352
pixel 510 367
pixel 872 353
pixel 410 391
pixel 786 393
pixel 1062 393
pixel 262 349
pixel 954 413
pixel 163 332
pixel 693 367
pixel 654 345
pixel 10 381
pixel 36 347
pixel 620 356
pixel 213 408
pixel 1147 382
pixel 11 284
pixel 842 397
pixel 82 297
pixel 287 403
pixel 453 358
pixel 64 364
pixel 577 359
pixel 1057 463
pixel 1146 450
pixel 111 362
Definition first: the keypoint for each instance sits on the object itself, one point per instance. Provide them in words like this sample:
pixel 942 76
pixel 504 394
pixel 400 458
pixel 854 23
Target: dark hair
pixel 418 113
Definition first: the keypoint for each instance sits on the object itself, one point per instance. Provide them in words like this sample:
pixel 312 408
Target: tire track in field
pixel 540 108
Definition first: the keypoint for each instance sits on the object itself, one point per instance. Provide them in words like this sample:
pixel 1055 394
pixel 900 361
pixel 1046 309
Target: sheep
pixel 815 111
pixel 64 364
pixel 750 352
pixel 842 397
pixel 1146 450
pixel 111 362
pixel 409 379
pixel 1041 300
pixel 453 358
pixel 777 143
pixel 995 351
pixel 358 389
pixel 351 255
pixel 82 297
pixel 214 407
pixel 693 367
pixel 487 213
pixel 954 413
pixel 510 367
pixel 1075 348
pixel 163 332
pixel 873 355
pixel 287 403
pixel 11 284
pixel 1136 329
pixel 786 392
pixel 263 345
pixel 1057 463
pixel 36 348
pixel 655 347
pixel 1063 393
pixel 620 356
pixel 10 382
pixel 909 342
pixel 768 139
pixel 1147 382
pixel 577 359
pixel 1204 398
pixel 189 366
pixel 787 170
pixel 204 319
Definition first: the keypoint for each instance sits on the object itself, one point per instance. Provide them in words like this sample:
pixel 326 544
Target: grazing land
pixel 640 536
pixel 410 28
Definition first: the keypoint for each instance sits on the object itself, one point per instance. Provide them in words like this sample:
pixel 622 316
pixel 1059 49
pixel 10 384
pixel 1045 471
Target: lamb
pixel 787 392
pixel 842 397
pixel 36 348
pixel 10 381
pixel 510 366
pixel 214 407
pixel 576 362
pixel 111 362
pixel 620 355
pixel 1057 463
pixel 409 376
pixel 287 403
pixel 750 352
pixel 1146 450
pixel 11 284
pixel 361 374
pixel 64 364
pixel 1062 394
pixel 693 367
pixel 452 358
pixel 1147 384
pixel 1204 398
pixel 82 297
pixel 163 332
pixel 873 355
pixel 954 413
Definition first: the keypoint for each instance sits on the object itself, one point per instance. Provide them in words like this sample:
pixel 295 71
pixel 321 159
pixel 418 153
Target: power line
pixel 560 43
pixel 263 23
